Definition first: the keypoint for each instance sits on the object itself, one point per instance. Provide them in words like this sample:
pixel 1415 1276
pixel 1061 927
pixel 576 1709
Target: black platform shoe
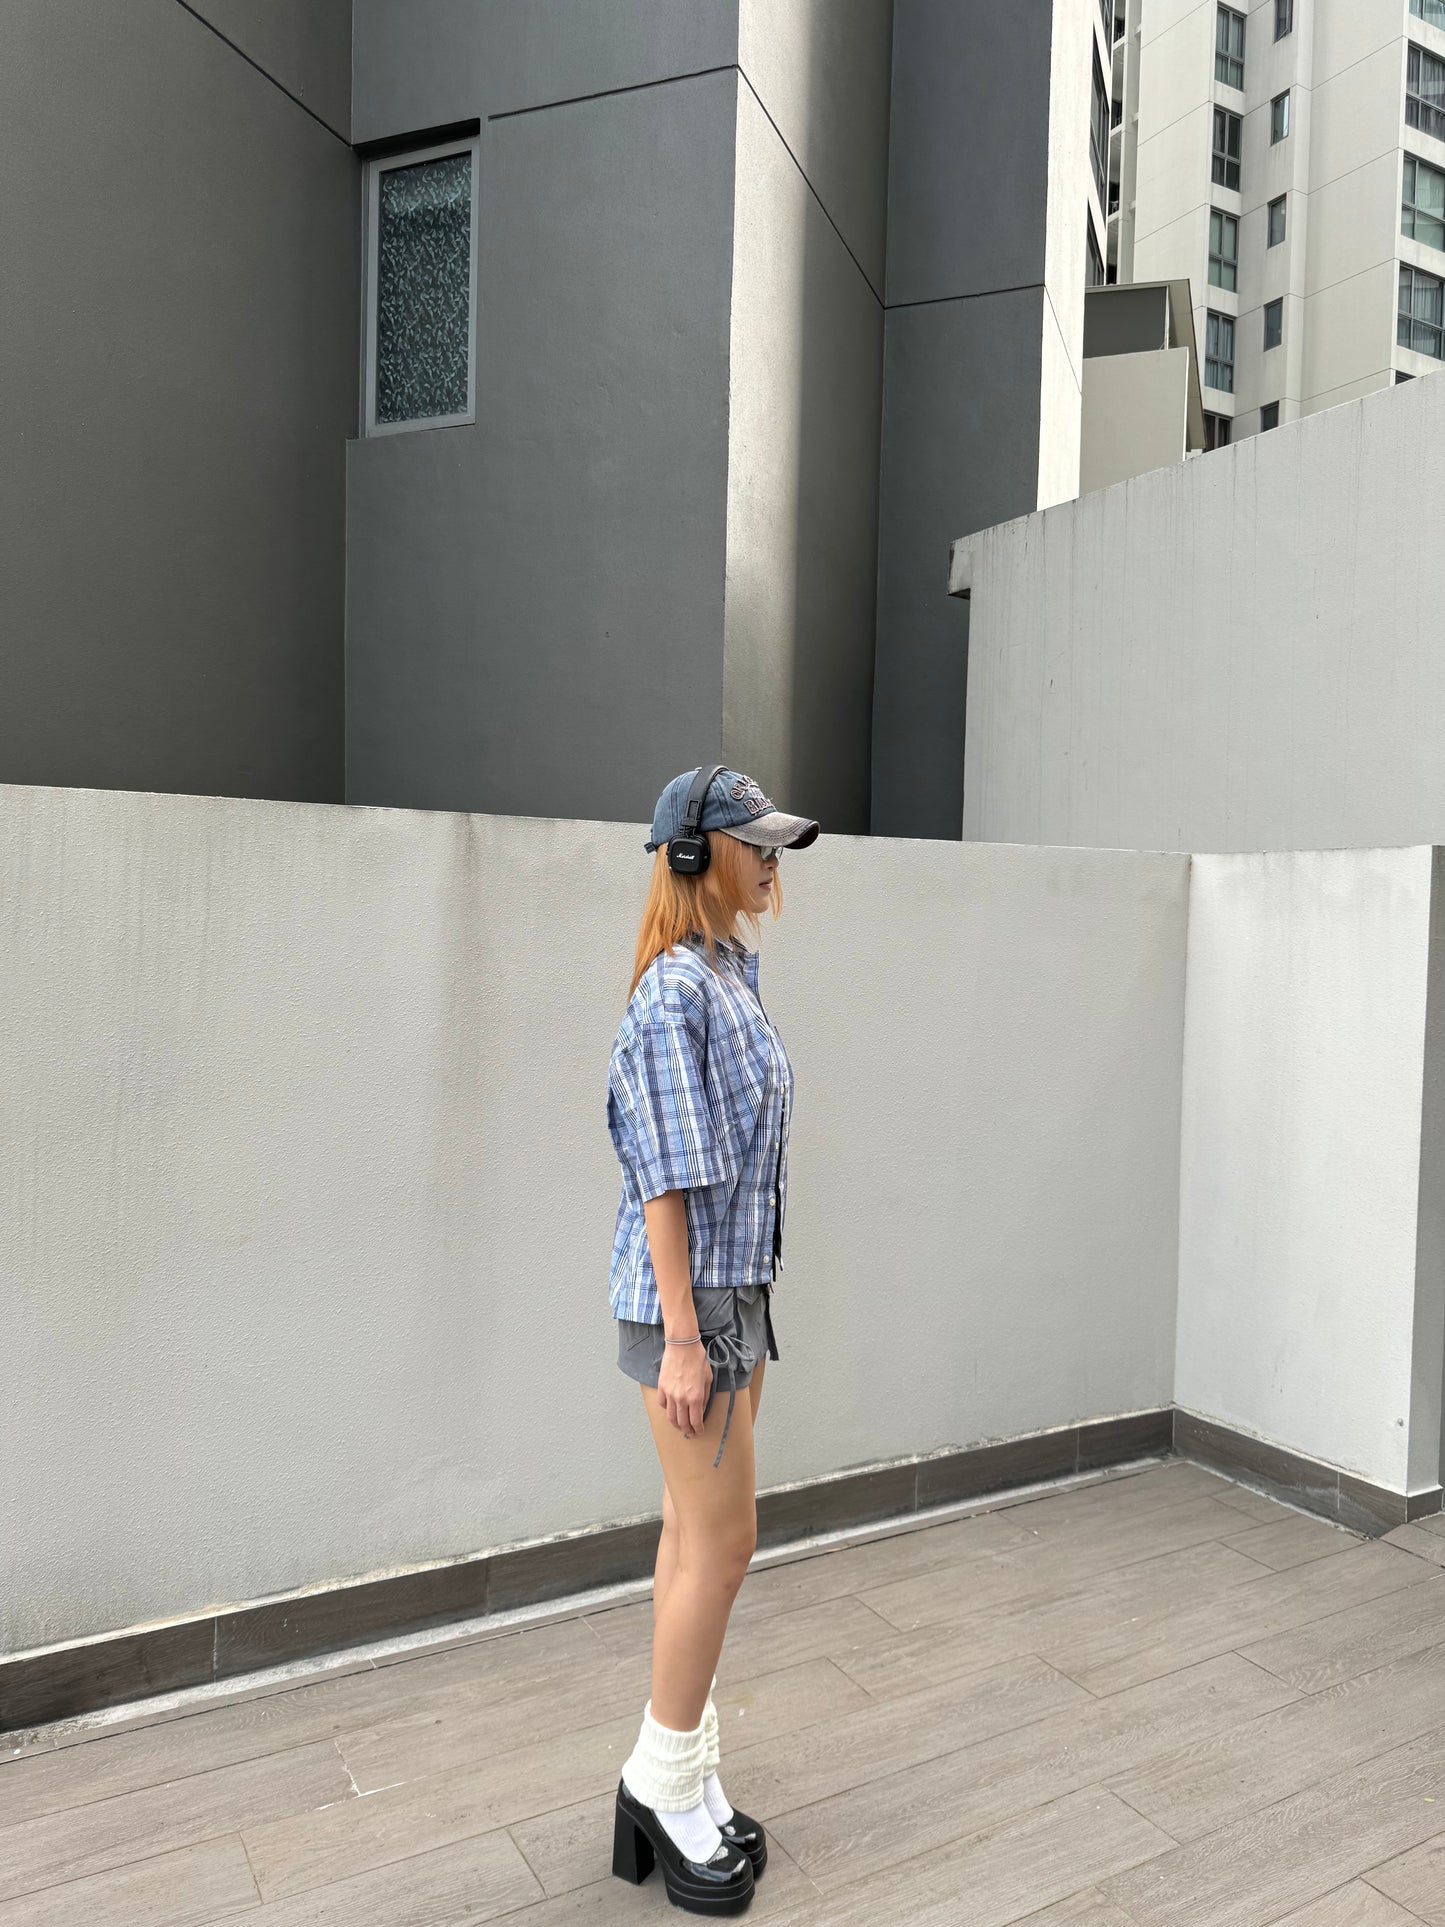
pixel 746 1833
pixel 720 1885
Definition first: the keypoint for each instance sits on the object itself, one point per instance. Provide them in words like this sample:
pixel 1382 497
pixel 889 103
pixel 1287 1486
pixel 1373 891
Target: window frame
pixel 1427 118
pixel 1409 204
pixel 1280 120
pixel 1225 422
pixel 1271 240
pixel 1234 123
pixel 1438 328
pixel 1274 310
pixel 374 167
pixel 1283 18
pixel 1093 253
pixel 1216 322
pixel 1265 407
pixel 1227 222
pixel 1099 129
pixel 1436 18
pixel 1225 20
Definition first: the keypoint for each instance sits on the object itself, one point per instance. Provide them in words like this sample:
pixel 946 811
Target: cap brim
pixel 793 832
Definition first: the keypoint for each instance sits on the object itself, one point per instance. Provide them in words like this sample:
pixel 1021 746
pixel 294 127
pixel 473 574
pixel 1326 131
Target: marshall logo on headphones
pixel 746 792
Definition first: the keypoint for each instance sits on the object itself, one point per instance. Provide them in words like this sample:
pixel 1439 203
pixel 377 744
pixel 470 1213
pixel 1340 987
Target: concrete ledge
pixel 65 1682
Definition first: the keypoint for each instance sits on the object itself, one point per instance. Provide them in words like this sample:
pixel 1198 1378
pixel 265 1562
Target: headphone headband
pixel 696 797
pixel 687 851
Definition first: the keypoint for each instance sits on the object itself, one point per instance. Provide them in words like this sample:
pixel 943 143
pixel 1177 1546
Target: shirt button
pixel 771 1198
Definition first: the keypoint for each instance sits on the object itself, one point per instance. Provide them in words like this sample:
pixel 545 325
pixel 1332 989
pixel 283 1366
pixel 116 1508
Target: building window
pixel 421 274
pixel 1229 47
pixel 1099 131
pixel 1422 312
pixel 1273 323
pixel 1279 117
pixel 1422 214
pixel 1106 14
pixel 1093 258
pixel 1425 92
pixel 1433 12
pixel 1283 18
pixel 1276 222
pixel 1223 249
pixel 1216 431
pixel 1400 376
pixel 1226 147
pixel 1219 352
pixel 1269 415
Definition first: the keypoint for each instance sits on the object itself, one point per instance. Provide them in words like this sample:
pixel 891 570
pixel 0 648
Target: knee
pixel 737 1548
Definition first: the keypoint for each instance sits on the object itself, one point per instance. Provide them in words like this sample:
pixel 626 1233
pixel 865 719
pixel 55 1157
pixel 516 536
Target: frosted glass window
pixel 421 277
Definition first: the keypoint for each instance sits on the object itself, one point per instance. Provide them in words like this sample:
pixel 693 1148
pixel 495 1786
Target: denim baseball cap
pixel 733 803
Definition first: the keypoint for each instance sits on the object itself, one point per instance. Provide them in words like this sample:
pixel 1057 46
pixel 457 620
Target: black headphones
pixel 688 852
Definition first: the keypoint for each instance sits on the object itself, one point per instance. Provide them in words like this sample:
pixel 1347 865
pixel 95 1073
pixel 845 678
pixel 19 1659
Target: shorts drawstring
pixel 729 1351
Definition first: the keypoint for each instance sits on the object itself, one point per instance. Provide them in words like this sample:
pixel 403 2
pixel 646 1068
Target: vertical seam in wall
pixel 1179 1146
pixel 240 52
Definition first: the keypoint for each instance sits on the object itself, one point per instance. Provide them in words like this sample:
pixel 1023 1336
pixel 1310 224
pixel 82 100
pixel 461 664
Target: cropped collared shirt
pixel 699 1099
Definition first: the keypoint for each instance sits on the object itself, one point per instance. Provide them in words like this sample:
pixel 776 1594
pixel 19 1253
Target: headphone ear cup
pixel 688 855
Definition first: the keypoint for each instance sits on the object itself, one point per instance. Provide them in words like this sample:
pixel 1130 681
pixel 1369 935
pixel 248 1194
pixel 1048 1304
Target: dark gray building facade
pixel 501 406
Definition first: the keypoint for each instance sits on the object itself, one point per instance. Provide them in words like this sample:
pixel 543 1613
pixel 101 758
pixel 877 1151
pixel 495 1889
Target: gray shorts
pixel 736 1327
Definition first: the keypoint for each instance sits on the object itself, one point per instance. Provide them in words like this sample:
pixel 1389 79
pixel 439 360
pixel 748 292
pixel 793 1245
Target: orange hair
pixel 710 903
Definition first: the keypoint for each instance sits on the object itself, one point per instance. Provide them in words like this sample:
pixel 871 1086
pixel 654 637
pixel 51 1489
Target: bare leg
pixel 715 1532
pixel 666 1565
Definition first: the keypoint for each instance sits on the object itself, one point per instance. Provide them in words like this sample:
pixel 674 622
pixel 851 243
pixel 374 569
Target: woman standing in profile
pixel 698 1103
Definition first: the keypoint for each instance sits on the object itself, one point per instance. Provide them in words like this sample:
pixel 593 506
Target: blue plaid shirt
pixel 699 1099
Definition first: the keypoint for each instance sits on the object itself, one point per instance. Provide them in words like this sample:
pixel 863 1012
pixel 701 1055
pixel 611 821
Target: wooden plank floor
pixel 1153 1700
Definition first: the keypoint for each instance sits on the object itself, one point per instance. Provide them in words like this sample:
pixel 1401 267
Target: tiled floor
pixel 1156 1698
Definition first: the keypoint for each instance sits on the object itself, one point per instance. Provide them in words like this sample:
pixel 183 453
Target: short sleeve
pixel 657 1085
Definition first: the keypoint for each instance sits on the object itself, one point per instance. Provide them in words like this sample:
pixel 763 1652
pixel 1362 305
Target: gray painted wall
pixel 427 63
pixel 805 393
pixel 960 439
pixel 178 360
pixel 276 1294
pixel 536 601
pixel 658 540
pixel 967 207
pixel 821 69
pixel 304 45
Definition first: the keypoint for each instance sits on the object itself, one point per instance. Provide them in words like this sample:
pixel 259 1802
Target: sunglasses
pixel 767 851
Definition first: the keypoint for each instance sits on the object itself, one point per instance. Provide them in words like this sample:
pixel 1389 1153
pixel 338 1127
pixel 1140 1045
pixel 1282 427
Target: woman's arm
pixel 685 1375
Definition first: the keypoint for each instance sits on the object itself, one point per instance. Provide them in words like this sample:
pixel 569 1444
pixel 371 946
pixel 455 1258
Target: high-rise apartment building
pixel 1288 157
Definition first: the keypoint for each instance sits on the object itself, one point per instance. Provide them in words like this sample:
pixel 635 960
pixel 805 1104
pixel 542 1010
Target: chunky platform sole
pixel 722 1885
pixel 747 1835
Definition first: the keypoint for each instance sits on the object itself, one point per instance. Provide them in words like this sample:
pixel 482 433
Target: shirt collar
pixel 747 959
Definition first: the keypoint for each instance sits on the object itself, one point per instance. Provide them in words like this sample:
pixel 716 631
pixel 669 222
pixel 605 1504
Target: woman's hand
pixel 684 1382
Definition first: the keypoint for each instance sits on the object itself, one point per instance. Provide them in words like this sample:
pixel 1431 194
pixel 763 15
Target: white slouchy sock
pixel 713 1797
pixel 664 1771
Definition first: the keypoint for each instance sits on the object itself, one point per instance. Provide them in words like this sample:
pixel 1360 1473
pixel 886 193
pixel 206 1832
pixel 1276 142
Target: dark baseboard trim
pixel 116 1669
pixel 1334 1495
